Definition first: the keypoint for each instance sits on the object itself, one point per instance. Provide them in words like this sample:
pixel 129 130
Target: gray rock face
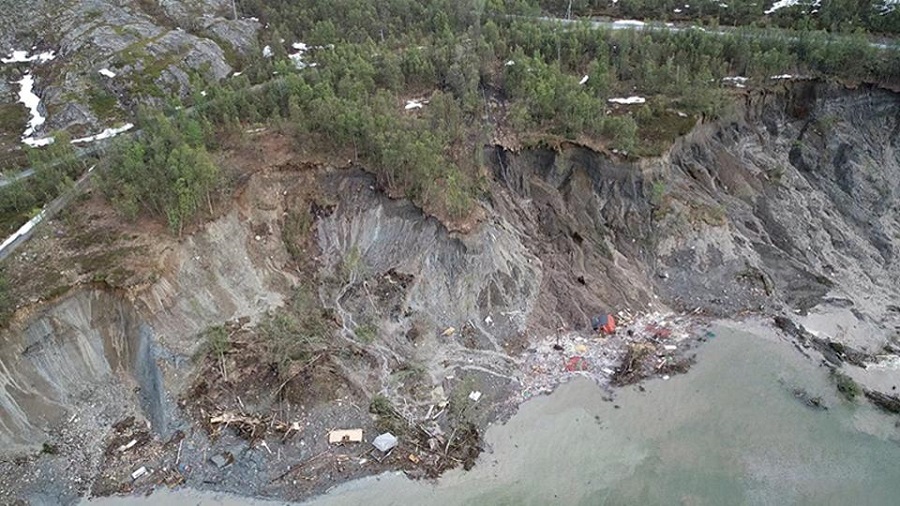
pixel 152 50
pixel 240 35
pixel 791 205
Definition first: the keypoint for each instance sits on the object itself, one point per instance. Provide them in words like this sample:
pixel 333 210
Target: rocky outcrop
pixel 152 48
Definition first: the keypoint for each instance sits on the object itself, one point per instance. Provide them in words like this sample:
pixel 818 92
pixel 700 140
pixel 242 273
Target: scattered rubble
pixel 642 345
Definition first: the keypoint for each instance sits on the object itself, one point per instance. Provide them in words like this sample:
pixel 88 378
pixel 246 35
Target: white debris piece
pixel 107 73
pixel 203 93
pixel 670 347
pixel 781 4
pixel 510 63
pixel 677 11
pixel 105 134
pixel 474 395
pixel 627 100
pixel 782 76
pixel 236 74
pixel 414 104
pixel 385 442
pixel 22 57
pixel 267 52
pixel 584 79
pixel 128 446
pixel 140 472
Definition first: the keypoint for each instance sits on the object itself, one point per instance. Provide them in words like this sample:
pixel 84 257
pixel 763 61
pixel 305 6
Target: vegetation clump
pixel 166 171
pixel 845 385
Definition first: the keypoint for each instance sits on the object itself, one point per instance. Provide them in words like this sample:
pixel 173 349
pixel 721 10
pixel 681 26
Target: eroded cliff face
pixel 89 347
pixel 790 206
pixel 803 190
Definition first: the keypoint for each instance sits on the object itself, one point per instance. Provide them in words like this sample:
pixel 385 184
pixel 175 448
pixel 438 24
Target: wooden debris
pixel 345 436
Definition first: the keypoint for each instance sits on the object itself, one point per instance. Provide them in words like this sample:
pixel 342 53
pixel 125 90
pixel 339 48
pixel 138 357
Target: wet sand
pixel 731 431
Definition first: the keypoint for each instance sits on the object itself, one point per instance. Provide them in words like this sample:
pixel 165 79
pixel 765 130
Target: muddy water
pixel 729 432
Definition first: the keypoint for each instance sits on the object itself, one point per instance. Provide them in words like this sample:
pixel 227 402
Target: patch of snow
pixel 628 23
pixel 108 73
pixel 203 93
pixel 236 74
pixel 22 57
pixel 615 2
pixel 24 229
pixel 267 52
pixel 677 11
pixel 736 81
pixel 781 4
pixel 32 102
pixel 782 76
pixel 724 6
pixel 297 58
pixel 38 143
pixel 510 63
pixel 584 80
pixel 105 134
pixel 627 100
pixel 414 104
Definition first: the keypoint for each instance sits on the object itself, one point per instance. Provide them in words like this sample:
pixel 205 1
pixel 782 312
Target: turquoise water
pixel 730 432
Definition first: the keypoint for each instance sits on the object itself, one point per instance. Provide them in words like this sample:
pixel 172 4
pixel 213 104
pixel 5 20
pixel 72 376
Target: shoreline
pixel 565 403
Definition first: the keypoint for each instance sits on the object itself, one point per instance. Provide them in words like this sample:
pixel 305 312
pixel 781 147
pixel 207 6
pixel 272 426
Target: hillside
pixel 404 216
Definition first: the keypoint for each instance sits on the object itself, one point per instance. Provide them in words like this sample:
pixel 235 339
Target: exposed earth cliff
pixel 788 207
